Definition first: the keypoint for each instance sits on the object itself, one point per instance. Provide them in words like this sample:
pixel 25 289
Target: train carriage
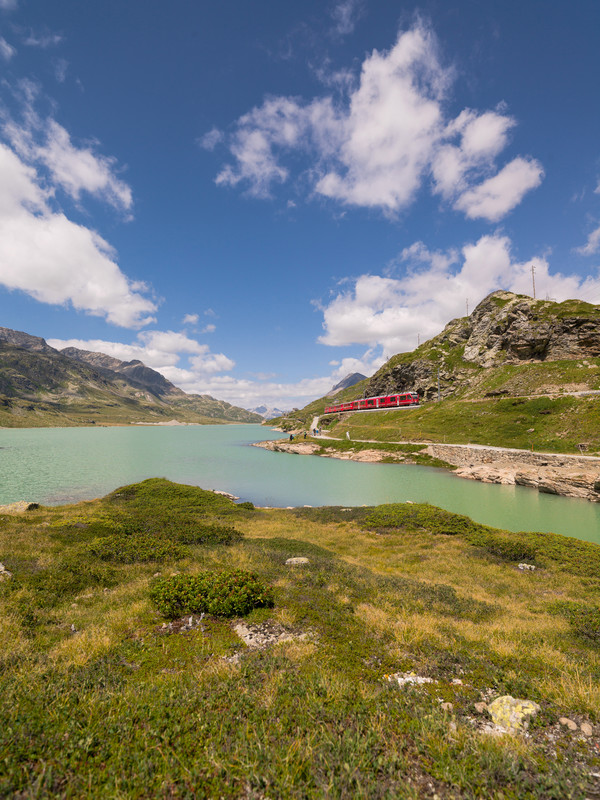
pixel 375 403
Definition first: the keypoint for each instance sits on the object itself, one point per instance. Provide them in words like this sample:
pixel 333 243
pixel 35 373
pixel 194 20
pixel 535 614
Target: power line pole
pixel 533 278
pixel 467 301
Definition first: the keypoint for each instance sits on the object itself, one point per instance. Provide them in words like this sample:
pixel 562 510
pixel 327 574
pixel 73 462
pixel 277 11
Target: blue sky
pixel 256 198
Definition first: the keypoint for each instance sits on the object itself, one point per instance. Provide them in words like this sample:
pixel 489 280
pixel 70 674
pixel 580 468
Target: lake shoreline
pixel 564 475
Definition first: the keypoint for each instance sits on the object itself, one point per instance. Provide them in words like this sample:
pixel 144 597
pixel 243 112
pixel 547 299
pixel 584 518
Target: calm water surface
pixel 60 465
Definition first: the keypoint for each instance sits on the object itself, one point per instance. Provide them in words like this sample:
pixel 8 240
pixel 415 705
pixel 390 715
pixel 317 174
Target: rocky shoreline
pixel 551 473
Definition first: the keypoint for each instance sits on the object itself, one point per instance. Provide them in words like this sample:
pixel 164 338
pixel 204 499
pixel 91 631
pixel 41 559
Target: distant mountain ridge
pixel 40 385
pixel 135 370
pixel 350 380
pixel 266 412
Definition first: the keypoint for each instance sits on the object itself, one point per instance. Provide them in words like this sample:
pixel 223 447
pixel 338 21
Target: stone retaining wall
pixel 570 476
pixel 463 455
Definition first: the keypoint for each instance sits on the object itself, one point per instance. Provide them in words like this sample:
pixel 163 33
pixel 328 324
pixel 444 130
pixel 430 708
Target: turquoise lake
pixel 63 465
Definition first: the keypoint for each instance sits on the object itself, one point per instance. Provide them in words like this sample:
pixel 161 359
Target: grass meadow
pixel 102 695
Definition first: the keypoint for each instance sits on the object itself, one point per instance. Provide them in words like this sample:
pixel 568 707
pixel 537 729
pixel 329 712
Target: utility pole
pixel 467 306
pixel 533 278
pixel 418 339
pixel 438 383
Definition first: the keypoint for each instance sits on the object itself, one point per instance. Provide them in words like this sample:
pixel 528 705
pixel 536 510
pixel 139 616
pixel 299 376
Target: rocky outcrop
pixel 21 339
pixel 565 475
pixel 517 328
pixel 504 328
pixel 135 371
pixel 350 380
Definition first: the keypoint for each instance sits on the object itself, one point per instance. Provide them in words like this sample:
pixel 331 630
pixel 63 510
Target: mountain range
pixel 41 386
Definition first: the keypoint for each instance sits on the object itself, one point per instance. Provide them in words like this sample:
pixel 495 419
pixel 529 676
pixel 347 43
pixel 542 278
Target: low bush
pixel 197 533
pixel 503 544
pixel 418 516
pixel 228 593
pixel 66 578
pixel 584 619
pixel 134 549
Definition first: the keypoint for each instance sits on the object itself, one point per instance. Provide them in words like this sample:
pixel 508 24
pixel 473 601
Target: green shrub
pixel 66 578
pixel 208 534
pixel 228 593
pixel 584 619
pixel 134 549
pixel 503 544
pixel 158 497
pixel 247 505
pixel 418 516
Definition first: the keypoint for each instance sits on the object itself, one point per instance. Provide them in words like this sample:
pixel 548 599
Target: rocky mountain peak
pixel 504 328
pixel 20 339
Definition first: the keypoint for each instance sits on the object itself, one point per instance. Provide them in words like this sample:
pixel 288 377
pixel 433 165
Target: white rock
pixel 405 678
pixel 292 562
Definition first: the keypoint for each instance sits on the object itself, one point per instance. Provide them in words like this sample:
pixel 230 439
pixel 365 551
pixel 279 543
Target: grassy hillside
pixel 41 388
pixel 104 696
pixel 562 425
pixel 507 375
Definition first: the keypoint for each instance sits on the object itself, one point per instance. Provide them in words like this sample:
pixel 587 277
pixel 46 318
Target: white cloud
pixel 345 16
pixel 54 260
pixel 43 40
pixel 73 169
pixel 378 145
pixel 209 329
pixel 161 350
pixel 61 65
pixel 389 313
pixel 42 252
pixel 592 245
pixel 7 51
pixel 211 139
pixel 482 138
pixel 7 5
pixel 190 319
pixel 496 196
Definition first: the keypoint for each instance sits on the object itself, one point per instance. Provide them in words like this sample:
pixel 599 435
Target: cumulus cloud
pixel 592 245
pixel 385 139
pixel 390 313
pixel 496 196
pixel 211 139
pixel 191 319
pixel 74 169
pixel 161 350
pixel 42 252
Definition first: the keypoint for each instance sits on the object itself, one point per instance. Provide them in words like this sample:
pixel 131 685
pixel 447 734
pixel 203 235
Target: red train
pixel 384 401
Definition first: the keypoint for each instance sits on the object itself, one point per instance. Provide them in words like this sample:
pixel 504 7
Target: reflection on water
pixel 60 465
